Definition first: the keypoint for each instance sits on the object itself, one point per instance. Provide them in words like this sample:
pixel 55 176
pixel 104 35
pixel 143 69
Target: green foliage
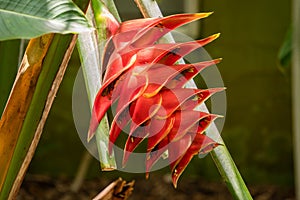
pixel 50 16
pixel 285 51
pixel 32 18
pixel 9 52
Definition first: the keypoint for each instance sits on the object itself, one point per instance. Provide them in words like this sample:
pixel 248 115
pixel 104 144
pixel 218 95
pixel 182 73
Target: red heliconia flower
pixel 144 86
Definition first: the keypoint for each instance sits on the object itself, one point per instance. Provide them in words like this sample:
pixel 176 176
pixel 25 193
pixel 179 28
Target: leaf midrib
pixel 29 16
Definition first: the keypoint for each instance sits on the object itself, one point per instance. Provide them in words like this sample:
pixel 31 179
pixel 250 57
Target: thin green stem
pixel 88 48
pixel 110 4
pixel 220 155
pixel 296 91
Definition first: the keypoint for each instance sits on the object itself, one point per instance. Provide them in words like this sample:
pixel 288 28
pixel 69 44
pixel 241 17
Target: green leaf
pixel 32 18
pixel 34 90
pixel 285 52
pixel 9 52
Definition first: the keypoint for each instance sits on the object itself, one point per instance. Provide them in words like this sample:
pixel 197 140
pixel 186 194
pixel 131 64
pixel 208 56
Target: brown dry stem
pixel 117 190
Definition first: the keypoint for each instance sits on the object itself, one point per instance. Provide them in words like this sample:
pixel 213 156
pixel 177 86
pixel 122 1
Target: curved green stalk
pixel 296 91
pixel 220 155
pixel 88 48
pixel 88 51
pixel 110 4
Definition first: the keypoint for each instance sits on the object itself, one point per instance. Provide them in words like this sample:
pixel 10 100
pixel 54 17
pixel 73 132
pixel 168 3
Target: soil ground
pixel 157 187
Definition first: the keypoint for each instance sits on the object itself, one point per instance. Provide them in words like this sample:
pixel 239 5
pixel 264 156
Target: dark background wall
pixel 258 124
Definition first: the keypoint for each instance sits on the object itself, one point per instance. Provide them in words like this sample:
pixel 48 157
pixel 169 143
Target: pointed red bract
pixel 176 134
pixel 201 144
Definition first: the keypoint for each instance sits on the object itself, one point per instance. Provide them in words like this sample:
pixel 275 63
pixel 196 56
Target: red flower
pixel 145 85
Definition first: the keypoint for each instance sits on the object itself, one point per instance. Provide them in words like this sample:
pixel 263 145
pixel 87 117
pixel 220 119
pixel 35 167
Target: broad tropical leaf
pixel 32 18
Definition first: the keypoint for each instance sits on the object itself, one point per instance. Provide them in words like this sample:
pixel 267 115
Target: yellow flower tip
pixel 89 137
pixel 125 159
pixel 203 15
pixel 175 184
pixel 175 177
pixel 150 94
pixel 218 116
pixel 218 60
pixel 123 164
pixel 147 175
pixel 215 36
pixel 218 89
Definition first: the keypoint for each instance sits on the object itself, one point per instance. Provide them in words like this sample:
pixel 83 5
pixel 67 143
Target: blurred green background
pixel 257 130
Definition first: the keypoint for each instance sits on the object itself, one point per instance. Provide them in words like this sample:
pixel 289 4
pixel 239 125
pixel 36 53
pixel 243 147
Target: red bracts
pixel 144 86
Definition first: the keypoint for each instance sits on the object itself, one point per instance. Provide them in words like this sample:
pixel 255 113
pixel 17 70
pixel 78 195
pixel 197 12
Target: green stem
pixel 87 45
pixel 110 4
pixel 296 91
pixel 220 155
pixel 33 116
pixel 92 82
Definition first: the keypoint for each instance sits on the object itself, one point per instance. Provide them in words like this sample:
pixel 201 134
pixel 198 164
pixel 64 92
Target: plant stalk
pixel 91 65
pixel 296 91
pixel 220 155
pixel 17 106
pixel 37 135
pixel 110 4
pixel 81 172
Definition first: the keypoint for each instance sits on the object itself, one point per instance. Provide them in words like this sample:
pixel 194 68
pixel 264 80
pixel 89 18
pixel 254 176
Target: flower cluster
pixel 144 86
